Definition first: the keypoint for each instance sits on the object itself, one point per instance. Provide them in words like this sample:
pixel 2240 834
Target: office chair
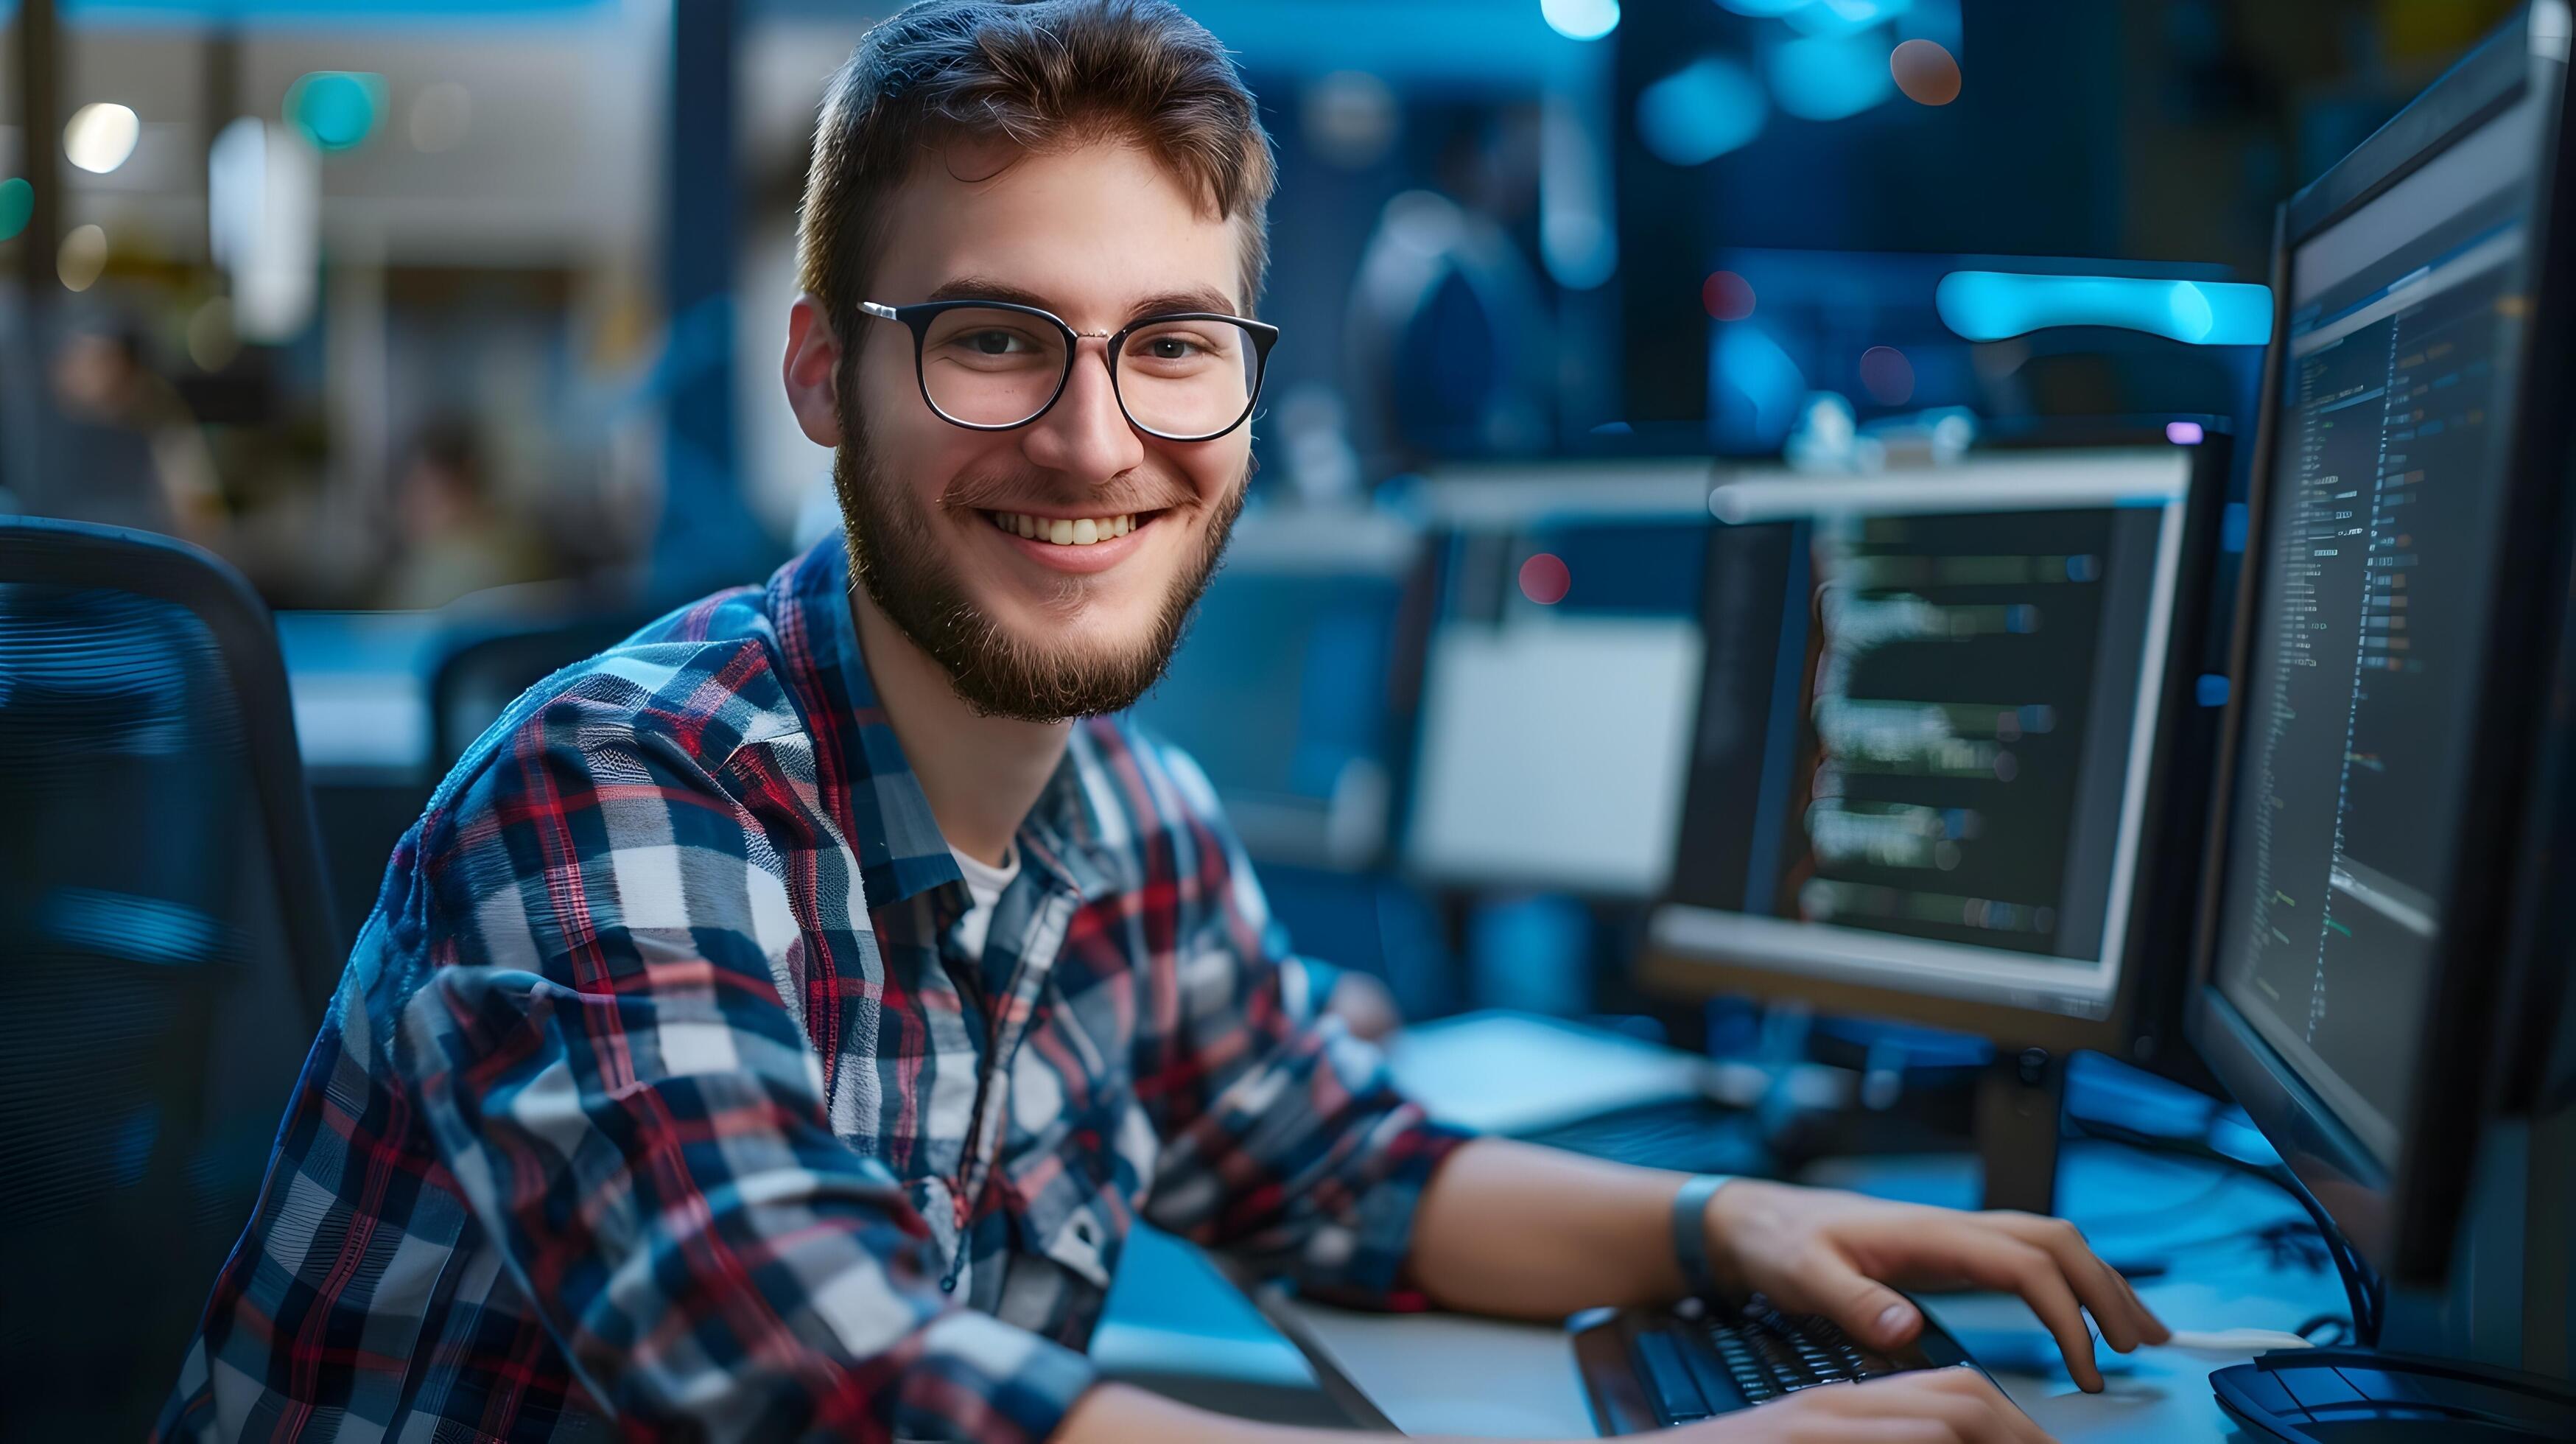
pixel 165 951
pixel 478 679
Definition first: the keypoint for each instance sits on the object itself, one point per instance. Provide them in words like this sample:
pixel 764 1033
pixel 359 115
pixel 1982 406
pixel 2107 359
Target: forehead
pixel 1091 228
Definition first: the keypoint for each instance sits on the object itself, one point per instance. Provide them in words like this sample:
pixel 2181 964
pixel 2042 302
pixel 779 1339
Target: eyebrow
pixel 985 288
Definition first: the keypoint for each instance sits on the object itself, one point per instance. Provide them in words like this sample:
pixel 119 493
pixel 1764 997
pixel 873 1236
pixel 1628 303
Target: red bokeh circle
pixel 1545 580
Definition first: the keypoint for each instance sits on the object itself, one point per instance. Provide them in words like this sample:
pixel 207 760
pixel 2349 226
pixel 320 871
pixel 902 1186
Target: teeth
pixel 1079 532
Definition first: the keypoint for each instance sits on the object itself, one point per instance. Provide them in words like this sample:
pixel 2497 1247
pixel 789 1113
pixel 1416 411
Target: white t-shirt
pixel 984 884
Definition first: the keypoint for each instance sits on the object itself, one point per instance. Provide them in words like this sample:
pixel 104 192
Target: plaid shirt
pixel 659 1098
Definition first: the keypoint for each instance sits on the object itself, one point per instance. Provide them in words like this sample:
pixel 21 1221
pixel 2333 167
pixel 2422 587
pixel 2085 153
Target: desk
pixel 1435 1373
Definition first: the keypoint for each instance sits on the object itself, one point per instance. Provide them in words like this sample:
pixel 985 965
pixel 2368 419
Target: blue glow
pixel 1580 19
pixel 1828 77
pixel 1754 388
pixel 1843 17
pixel 2211 690
pixel 1699 113
pixel 336 109
pixel 1764 9
pixel 2231 527
pixel 1991 305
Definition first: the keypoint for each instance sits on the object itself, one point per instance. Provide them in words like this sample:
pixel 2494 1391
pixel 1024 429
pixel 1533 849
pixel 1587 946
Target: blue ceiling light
pixel 1580 19
pixel 1991 305
pixel 1828 77
pixel 1764 9
pixel 1701 112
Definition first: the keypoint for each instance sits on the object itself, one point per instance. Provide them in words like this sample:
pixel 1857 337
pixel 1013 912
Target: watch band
pixel 1690 1230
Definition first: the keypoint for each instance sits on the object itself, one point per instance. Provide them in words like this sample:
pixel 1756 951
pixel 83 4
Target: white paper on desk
pixel 1504 1072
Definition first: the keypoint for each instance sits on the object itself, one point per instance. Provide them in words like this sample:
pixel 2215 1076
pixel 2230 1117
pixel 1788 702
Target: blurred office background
pixel 455 328
pixel 450 322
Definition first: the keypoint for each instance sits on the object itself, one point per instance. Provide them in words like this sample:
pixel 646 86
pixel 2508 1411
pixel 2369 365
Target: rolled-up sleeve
pixel 1285 1139
pixel 604 1055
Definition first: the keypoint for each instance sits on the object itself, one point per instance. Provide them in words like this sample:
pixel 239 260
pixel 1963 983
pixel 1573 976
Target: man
pixel 774 1025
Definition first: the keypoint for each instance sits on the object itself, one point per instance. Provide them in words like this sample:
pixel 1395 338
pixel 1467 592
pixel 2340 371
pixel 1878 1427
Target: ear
pixel 813 360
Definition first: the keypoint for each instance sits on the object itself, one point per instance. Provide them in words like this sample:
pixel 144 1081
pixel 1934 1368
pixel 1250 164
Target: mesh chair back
pixel 477 681
pixel 164 951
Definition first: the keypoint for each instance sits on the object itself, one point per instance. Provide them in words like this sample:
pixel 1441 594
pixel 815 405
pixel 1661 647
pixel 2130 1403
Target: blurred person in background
pixel 775 1025
pixel 452 534
pixel 122 448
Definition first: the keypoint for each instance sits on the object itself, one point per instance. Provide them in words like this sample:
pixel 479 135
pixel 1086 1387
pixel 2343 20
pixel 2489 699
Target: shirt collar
pixel 900 849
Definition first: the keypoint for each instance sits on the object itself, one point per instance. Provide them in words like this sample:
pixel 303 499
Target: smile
pixel 1066 531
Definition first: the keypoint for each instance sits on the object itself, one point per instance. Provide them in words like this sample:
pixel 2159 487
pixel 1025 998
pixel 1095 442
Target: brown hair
pixel 1037 73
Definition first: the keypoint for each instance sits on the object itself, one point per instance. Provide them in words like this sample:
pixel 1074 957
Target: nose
pixel 1084 434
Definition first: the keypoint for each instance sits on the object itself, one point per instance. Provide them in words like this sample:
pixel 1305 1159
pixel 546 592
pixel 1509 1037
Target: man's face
pixel 1099 235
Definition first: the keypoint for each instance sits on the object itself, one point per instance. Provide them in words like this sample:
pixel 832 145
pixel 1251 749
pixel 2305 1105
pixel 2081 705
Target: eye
pixel 992 342
pixel 1168 347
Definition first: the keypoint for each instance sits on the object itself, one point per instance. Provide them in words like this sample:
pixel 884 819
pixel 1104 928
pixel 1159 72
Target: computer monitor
pixel 1559 676
pixel 2380 929
pixel 1930 774
pixel 1285 688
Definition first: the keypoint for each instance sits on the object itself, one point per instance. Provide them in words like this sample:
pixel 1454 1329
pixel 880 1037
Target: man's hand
pixel 1816 1251
pixel 1933 1406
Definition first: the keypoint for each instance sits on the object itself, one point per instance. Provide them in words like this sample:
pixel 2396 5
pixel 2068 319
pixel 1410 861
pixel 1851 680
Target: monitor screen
pixel 1559 678
pixel 1924 738
pixel 2361 673
pixel 1282 689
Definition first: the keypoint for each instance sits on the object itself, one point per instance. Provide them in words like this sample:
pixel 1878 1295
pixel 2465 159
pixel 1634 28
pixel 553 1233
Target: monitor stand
pixel 2020 1103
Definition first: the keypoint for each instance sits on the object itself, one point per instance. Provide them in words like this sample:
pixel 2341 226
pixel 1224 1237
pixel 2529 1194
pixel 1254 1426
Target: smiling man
pixel 774 1025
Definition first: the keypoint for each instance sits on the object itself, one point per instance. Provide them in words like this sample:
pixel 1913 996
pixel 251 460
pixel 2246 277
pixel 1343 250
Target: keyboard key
pixel 1677 1395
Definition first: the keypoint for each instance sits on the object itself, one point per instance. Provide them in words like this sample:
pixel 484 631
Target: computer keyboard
pixel 1687 1135
pixel 1654 1369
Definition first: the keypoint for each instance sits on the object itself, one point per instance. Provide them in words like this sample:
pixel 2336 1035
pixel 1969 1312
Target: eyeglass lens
pixel 1179 378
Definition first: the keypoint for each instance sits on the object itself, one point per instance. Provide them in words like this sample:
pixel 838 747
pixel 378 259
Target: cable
pixel 2362 1288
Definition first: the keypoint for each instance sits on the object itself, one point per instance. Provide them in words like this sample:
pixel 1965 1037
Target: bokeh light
pixel 1545 580
pixel 2185 433
pixel 1726 296
pixel 1828 77
pixel 1928 74
pixel 1991 305
pixel 336 109
pixel 1842 17
pixel 1701 112
pixel 1887 375
pixel 1580 19
pixel 17 205
pixel 82 257
pixel 100 136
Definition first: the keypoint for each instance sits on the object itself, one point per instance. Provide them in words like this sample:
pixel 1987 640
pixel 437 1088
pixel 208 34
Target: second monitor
pixel 1928 779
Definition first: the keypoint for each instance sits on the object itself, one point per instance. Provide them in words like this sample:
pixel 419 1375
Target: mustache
pixel 1129 491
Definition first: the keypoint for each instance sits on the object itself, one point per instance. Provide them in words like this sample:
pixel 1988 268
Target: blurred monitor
pixel 1559 676
pixel 1284 686
pixel 2380 896
pixel 1928 780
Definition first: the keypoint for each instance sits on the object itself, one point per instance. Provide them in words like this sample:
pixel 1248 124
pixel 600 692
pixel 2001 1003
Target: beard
pixel 897 554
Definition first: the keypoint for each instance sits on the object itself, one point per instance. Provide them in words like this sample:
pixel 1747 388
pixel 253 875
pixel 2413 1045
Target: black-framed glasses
pixel 997 365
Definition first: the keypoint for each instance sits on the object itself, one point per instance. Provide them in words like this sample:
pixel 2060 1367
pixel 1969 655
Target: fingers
pixel 2125 1319
pixel 1958 1404
pixel 1864 1308
pixel 1994 1258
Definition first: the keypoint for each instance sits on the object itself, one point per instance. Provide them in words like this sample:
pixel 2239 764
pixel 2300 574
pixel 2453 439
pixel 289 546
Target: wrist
pixel 1729 1218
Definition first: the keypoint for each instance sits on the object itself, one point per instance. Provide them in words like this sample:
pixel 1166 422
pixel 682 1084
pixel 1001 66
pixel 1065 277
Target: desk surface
pixel 1434 1373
